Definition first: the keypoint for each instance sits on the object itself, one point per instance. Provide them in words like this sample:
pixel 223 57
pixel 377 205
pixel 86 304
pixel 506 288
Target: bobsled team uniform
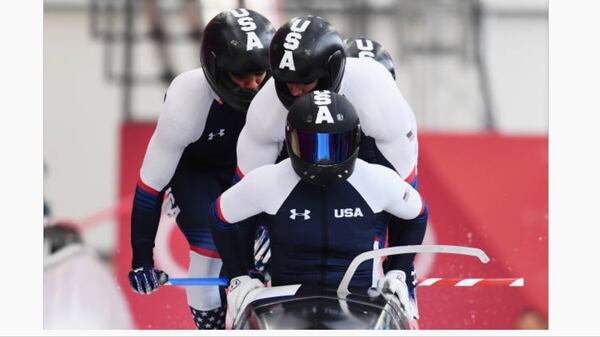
pixel 384 115
pixel 315 230
pixel 192 151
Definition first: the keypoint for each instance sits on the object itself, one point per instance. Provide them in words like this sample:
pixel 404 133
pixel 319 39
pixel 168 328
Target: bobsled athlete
pixel 192 152
pixel 362 47
pixel 322 205
pixel 307 54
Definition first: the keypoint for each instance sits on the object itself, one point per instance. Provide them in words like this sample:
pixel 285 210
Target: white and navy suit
pixel 315 230
pixel 192 151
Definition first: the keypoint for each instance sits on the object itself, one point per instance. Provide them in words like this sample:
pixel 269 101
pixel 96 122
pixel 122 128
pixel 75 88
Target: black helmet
pixel 305 49
pixel 322 137
pixel 363 47
pixel 235 41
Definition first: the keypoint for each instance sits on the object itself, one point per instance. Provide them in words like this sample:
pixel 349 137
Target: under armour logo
pixel 304 215
pixel 212 135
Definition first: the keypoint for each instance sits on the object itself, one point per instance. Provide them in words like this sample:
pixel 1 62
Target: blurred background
pixel 474 71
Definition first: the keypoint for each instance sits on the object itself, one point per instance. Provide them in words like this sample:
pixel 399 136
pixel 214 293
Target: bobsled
pixel 312 307
pixel 306 306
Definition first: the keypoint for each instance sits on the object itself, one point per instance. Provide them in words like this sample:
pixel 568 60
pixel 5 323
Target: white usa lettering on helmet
pixel 365 49
pixel 247 25
pixel 322 100
pixel 292 41
pixel 322 97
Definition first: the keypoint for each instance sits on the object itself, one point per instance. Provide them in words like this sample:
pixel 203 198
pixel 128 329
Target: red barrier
pixel 490 192
pixel 485 191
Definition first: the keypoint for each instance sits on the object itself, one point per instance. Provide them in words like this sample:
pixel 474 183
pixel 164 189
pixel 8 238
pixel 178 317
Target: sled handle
pixel 198 281
pixel 343 287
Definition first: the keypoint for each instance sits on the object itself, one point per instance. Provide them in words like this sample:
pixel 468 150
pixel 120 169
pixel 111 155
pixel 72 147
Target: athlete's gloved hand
pixel 393 287
pixel 145 280
pixel 239 288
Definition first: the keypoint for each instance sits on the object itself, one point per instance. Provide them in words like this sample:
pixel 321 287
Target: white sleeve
pixel 384 190
pixel 404 201
pixel 401 152
pixel 384 113
pixel 261 138
pixel 241 201
pixel 262 190
pixel 255 150
pixel 181 122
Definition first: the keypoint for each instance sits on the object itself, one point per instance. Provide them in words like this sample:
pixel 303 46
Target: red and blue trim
pixel 238 175
pixel 147 188
pixel 217 216
pixel 412 178
pixel 145 196
pixel 206 252
pixel 424 212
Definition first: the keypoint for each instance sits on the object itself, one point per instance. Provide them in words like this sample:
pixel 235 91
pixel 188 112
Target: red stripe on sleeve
pixel 412 175
pixel 238 172
pixel 147 188
pixel 219 212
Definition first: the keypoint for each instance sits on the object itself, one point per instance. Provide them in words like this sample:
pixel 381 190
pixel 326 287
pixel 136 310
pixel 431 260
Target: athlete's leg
pixel 205 302
pixel 193 191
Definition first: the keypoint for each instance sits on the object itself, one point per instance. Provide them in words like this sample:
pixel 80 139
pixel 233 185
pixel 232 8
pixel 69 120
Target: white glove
pixel 239 288
pixel 393 286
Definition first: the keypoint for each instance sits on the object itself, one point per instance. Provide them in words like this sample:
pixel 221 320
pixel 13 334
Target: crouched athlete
pixel 322 203
pixel 192 152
